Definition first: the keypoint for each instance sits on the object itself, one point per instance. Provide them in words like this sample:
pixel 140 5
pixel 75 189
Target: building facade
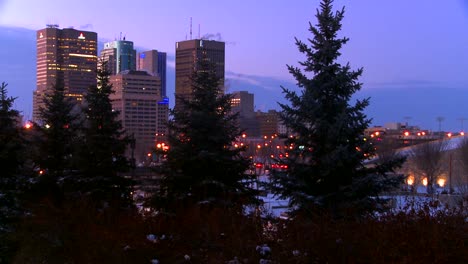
pixel 66 56
pixel 268 123
pixel 142 110
pixel 154 62
pixel 242 102
pixel 187 55
pixel 120 56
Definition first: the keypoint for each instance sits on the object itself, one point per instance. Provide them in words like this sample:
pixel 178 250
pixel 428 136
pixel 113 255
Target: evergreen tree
pixel 327 163
pixel 102 154
pixel 11 139
pixel 59 136
pixel 11 163
pixel 202 164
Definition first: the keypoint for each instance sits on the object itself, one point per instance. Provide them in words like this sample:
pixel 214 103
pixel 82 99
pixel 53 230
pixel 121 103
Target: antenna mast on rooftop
pixel 190 28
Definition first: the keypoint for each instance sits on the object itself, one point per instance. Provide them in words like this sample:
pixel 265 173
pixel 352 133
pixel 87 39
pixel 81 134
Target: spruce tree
pixel 202 165
pixel 11 139
pixel 327 163
pixel 59 135
pixel 11 177
pixel 102 155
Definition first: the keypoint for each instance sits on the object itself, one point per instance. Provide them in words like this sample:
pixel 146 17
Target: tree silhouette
pixel 326 164
pixel 12 179
pixel 202 165
pixel 102 159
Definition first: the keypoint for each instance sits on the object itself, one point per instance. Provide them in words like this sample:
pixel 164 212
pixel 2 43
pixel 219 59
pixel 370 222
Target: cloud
pixel 217 37
pixel 85 26
pixel 404 84
pixel 211 36
pixel 242 77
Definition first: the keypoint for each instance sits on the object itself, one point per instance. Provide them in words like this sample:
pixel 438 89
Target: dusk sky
pixel 408 46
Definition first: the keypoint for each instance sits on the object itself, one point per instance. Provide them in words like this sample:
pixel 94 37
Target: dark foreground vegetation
pixel 76 233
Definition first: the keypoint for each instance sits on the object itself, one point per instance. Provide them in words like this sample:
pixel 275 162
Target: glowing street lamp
pixel 410 180
pixel 424 181
pixel 441 182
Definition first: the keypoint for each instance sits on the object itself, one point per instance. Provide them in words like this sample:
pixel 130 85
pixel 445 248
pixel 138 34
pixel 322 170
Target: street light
pixel 424 181
pixel 28 125
pixel 441 182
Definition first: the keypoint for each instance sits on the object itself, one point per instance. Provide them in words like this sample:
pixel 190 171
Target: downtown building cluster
pixel 70 57
pixel 139 80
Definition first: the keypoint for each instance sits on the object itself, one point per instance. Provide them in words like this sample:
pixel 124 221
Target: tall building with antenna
pixel 188 53
pixel 120 55
pixel 66 56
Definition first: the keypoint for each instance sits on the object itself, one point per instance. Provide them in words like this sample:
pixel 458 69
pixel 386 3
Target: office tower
pixel 268 123
pixel 64 55
pixel 242 102
pixel 154 62
pixel 187 54
pixel 142 110
pixel 162 59
pixel 120 56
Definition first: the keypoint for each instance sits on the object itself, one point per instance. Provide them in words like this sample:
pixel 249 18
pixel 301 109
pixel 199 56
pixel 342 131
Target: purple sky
pixel 415 44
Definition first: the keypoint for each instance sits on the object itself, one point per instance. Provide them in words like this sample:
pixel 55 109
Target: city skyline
pixel 414 48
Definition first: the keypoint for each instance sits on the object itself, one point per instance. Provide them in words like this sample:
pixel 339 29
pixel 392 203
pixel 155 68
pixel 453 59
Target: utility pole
pixel 450 174
pixel 440 119
pixel 461 119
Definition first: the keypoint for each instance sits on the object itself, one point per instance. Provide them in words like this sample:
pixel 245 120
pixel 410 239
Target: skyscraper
pixel 141 108
pixel 64 55
pixel 154 62
pixel 242 102
pixel 120 56
pixel 187 54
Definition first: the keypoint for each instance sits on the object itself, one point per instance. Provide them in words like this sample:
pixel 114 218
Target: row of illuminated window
pixel 140 122
pixel 134 85
pixel 135 105
pixel 141 113
pixel 146 93
pixel 74 39
pixel 142 132
pixel 141 86
pixel 86 47
pixel 140 102
pixel 141 91
pixel 69 69
pixel 140 125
